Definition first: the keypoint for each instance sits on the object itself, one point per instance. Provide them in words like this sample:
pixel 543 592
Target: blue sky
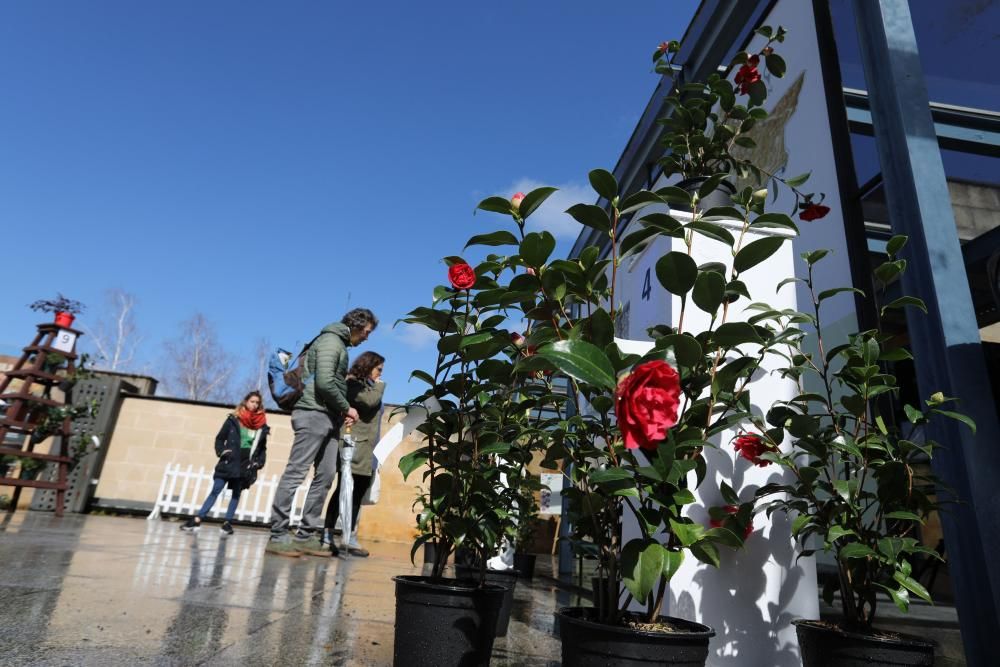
pixel 269 164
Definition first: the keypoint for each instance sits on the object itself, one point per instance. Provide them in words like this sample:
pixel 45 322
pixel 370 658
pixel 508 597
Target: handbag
pixel 372 494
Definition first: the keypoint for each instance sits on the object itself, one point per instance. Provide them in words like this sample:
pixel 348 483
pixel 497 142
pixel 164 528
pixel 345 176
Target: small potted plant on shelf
pixel 30 467
pixel 862 489
pixel 7 462
pixel 709 132
pixel 65 309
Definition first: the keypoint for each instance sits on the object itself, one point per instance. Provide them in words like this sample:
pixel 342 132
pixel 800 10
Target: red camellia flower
pixel 515 201
pixel 731 509
pixel 813 212
pixel 461 276
pixel 646 403
pixel 517 339
pixel 750 446
pixel 747 75
pixel 663 48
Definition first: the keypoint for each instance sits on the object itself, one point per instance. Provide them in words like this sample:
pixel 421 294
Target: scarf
pixel 251 420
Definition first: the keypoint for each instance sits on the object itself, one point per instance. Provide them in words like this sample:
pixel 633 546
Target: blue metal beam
pixel 946 342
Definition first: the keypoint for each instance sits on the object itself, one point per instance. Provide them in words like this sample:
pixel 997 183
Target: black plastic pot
pixel 719 197
pixel 826 645
pixel 444 622
pixel 586 643
pixel 506 579
pixel 525 565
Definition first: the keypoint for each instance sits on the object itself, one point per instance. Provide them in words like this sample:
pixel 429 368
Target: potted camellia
pixel 861 489
pixel 65 309
pixel 473 438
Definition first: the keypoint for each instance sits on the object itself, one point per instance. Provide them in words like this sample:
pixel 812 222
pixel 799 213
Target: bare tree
pixel 198 368
pixel 115 337
pixel 257 376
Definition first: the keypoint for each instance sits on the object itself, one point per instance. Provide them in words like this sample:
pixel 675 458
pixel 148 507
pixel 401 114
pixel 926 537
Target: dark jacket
pixel 326 372
pixel 237 465
pixel 366 398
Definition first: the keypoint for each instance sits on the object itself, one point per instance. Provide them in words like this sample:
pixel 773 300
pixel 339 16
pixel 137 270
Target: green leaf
pixel 796 181
pixel 591 215
pixel 581 361
pixel 422 375
pixel 712 231
pixel 775 64
pixel 706 552
pixel 536 248
pixel 836 532
pixel 636 241
pixel 533 200
pixel 604 183
pixel 826 294
pixel 638 200
pixel 814 256
pixel 687 350
pixel 775 221
pixel 912 585
pixel 732 334
pixel 959 416
pixel 642 563
pixel 496 205
pixel 905 301
pixel 501 237
pixel 671 563
pixel 901 597
pixel 709 291
pixel 854 550
pixel 664 223
pixel 904 516
pixel 687 533
pixel 677 272
pixel 410 462
pixel 895 244
pixel 710 185
pixel 756 252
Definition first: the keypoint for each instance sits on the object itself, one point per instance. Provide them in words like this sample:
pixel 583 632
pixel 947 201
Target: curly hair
pixel 363 366
pixel 359 318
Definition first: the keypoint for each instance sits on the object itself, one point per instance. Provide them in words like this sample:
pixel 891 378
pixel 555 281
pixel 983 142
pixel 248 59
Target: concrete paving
pixel 97 590
pixel 102 590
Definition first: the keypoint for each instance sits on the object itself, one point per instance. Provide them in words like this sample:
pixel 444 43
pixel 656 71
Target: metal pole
pixel 945 342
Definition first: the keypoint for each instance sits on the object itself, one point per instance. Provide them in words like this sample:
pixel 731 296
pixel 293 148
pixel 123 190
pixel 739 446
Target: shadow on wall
pixel 752 620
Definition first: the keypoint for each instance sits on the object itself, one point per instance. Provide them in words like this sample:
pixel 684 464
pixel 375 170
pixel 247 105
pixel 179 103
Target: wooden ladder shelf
pixel 26 408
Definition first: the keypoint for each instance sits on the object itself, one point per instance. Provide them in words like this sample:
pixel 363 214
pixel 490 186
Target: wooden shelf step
pixel 27 372
pixel 53 458
pixel 32 483
pixel 31 398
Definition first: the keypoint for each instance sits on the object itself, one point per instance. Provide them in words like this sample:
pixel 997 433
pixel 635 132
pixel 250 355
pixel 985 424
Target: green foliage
pixel 862 481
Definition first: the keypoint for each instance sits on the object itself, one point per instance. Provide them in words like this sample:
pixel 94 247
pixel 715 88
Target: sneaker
pixel 334 550
pixel 289 549
pixel 191 525
pixel 358 551
pixel 226 528
pixel 312 547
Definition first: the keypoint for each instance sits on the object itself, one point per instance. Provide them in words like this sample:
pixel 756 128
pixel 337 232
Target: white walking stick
pixel 346 487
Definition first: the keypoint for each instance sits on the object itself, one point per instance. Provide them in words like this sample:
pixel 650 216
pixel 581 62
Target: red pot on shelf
pixel 64 319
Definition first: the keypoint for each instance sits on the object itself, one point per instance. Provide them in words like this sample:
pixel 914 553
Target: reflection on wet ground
pixel 95 590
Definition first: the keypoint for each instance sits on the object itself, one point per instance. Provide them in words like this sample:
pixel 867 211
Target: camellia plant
pixel 478 436
pixel 862 483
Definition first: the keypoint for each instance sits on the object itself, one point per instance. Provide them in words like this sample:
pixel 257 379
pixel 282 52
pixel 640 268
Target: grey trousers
pixel 315 444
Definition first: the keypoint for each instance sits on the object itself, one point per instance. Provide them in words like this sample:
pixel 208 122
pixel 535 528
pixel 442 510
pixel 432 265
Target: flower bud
pixel 760 195
pixel 515 201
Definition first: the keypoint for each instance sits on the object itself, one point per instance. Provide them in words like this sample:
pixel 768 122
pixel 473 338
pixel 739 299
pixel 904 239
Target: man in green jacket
pixel 316 421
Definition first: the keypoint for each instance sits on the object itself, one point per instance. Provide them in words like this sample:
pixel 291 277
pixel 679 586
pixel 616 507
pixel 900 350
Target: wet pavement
pixel 100 590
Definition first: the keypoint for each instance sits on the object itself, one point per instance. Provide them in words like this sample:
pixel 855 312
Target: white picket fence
pixel 182 491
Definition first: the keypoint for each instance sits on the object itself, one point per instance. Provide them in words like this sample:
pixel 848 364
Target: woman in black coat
pixel 241 446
